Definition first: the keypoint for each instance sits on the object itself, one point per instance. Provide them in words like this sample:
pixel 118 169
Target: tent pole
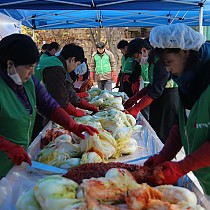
pixel 201 18
pixel 33 34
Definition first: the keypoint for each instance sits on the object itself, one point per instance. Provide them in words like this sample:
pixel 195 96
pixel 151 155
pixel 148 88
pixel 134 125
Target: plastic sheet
pixel 20 180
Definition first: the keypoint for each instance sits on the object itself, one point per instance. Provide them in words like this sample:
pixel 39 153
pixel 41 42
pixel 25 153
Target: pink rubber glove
pixel 61 117
pixel 15 152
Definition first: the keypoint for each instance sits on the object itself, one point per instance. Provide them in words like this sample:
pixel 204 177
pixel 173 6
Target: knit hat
pixel 100 45
pixel 19 48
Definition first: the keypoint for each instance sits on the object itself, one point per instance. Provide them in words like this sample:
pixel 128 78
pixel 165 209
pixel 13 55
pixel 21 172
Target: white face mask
pixel 15 77
pixel 81 69
pixel 58 53
pixel 144 60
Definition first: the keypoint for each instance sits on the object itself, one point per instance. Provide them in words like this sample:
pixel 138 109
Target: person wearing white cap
pixel 186 55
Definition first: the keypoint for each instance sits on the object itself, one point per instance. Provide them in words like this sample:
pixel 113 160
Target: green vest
pixel 102 63
pixel 144 74
pixel 170 83
pixel 17 124
pixel 196 131
pixel 127 65
pixel 44 62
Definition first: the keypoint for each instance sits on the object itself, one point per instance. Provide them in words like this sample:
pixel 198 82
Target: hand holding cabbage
pixel 59 116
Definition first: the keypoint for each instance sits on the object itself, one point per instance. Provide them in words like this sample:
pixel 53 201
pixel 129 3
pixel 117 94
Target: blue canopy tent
pixel 54 14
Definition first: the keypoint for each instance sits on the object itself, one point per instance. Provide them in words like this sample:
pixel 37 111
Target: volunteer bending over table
pixel 186 55
pixel 20 95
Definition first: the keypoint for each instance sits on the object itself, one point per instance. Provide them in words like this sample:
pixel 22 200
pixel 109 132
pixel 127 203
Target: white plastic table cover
pixel 20 179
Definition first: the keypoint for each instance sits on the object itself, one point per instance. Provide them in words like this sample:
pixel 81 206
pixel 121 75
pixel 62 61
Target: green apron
pixel 17 123
pixel 196 131
pixel 102 63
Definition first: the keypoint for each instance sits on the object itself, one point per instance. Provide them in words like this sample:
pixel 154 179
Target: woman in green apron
pixel 186 55
pixel 20 95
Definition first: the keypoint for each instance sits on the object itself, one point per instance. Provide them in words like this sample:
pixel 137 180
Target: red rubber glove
pixel 114 76
pixel 131 101
pixel 92 76
pixel 82 94
pixel 70 109
pixel 172 171
pixel 144 102
pixel 135 86
pixel 118 81
pixel 172 146
pixel 85 105
pixel 61 117
pixel 80 78
pixel 15 152
pixel 126 78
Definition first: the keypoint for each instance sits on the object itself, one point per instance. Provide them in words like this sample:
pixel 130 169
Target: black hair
pixel 45 46
pixel 72 50
pixel 136 45
pixel 122 44
pixel 53 45
pixel 19 48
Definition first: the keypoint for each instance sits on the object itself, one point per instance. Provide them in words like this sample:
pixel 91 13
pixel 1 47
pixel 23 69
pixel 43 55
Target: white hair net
pixel 176 36
pixel 81 69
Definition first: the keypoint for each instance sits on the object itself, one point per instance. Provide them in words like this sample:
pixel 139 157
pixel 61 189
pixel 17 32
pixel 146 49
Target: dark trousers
pixel 164 113
pixel 125 86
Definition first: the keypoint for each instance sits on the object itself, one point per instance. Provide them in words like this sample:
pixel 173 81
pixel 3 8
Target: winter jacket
pixel 159 78
pixel 53 70
pixel 103 65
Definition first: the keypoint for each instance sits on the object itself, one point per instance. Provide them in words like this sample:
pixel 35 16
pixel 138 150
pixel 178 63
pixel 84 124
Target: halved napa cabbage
pixel 27 201
pixel 106 136
pixel 88 120
pixel 90 157
pixel 57 152
pixel 56 192
pixel 94 142
pixel 94 92
pixel 70 163
pixel 130 147
pixel 110 120
pixel 122 133
pixel 123 95
pixel 105 95
pixel 131 119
